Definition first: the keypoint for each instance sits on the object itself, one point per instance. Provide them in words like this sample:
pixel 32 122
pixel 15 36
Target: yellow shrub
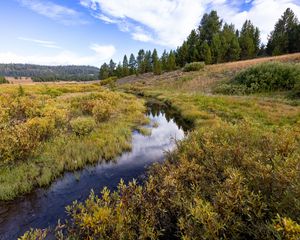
pixel 82 125
pixel 102 111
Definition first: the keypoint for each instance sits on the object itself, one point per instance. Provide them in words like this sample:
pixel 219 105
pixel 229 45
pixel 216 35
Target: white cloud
pixel 168 22
pixel 54 11
pixel 64 57
pixel 263 13
pixel 165 22
pixel 42 43
pixel 104 52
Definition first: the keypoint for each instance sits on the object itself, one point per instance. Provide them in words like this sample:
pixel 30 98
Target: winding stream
pixel 43 207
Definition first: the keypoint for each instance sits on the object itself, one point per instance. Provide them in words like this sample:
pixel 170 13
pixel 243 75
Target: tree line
pixel 50 73
pixel 213 42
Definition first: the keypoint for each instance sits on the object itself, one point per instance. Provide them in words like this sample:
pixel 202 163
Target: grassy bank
pixel 236 175
pixel 46 130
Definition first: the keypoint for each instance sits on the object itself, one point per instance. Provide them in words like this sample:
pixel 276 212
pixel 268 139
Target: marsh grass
pixel 60 132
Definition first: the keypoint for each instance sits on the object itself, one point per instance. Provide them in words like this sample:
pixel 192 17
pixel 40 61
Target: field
pixel 48 129
pixel 236 175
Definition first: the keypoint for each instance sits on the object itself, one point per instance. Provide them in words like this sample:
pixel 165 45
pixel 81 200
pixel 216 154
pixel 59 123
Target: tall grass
pixel 42 135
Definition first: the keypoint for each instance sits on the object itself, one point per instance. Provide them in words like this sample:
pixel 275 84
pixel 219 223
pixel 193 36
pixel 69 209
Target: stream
pixel 44 206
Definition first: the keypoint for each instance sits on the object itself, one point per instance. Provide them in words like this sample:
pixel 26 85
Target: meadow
pixel 235 176
pixel 49 129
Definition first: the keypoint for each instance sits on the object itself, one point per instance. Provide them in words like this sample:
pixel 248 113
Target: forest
pixel 213 42
pixel 40 73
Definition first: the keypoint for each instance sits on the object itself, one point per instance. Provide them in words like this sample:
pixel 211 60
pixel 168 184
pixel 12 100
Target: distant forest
pixel 40 73
pixel 214 41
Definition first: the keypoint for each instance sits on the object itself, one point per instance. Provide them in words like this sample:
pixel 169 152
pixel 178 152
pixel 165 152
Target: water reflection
pixel 44 207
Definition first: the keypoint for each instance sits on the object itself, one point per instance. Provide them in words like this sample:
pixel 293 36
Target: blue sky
pixel 89 32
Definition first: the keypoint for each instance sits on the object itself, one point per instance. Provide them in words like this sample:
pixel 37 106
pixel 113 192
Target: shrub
pixel 224 182
pixel 102 111
pixel 82 125
pixel 109 81
pixel 194 66
pixel 3 80
pixel 271 76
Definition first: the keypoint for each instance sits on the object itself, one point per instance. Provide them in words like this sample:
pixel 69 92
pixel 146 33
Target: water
pixel 43 207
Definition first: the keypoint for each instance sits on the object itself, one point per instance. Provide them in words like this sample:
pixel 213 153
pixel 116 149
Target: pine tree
pixel 132 64
pixel 112 67
pixel 156 63
pixel 206 53
pixel 192 44
pixel 141 61
pixel 182 55
pixel 171 61
pixel 249 40
pixel 164 61
pixel 148 61
pixel 230 44
pixel 125 69
pixel 209 26
pixel 216 49
pixel 104 71
pixel 119 71
pixel 284 38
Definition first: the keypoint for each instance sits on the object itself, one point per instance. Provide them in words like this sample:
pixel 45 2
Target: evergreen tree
pixel 192 45
pixel 182 55
pixel 171 61
pixel 141 61
pixel 206 53
pixel 156 63
pixel 164 61
pixel 132 64
pixel 119 72
pixel 230 44
pixel 284 38
pixel 104 71
pixel 216 49
pixel 249 40
pixel 209 26
pixel 148 62
pixel 112 67
pixel 125 66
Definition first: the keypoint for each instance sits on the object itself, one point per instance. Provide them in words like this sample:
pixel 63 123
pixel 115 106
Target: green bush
pixel 231 89
pixel 194 66
pixel 108 81
pixel 3 80
pixel 82 125
pixel 273 76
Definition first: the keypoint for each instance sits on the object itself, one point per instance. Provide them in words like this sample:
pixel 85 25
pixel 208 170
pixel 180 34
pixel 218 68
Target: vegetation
pixel 50 73
pixel 212 42
pixel 194 66
pixel 46 130
pixel 3 80
pixel 267 77
pixel 285 36
pixel 236 175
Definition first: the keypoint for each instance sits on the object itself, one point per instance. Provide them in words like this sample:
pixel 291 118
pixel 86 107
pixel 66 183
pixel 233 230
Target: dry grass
pixel 200 81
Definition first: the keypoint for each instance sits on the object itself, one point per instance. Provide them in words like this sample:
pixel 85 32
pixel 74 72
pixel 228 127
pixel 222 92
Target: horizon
pixel 91 32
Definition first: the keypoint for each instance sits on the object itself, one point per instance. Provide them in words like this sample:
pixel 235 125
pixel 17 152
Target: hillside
pixel 41 73
pixel 200 81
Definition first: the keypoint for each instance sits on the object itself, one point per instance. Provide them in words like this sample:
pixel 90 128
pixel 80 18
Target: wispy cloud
pixel 99 54
pixel 168 22
pixel 54 11
pixel 42 43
